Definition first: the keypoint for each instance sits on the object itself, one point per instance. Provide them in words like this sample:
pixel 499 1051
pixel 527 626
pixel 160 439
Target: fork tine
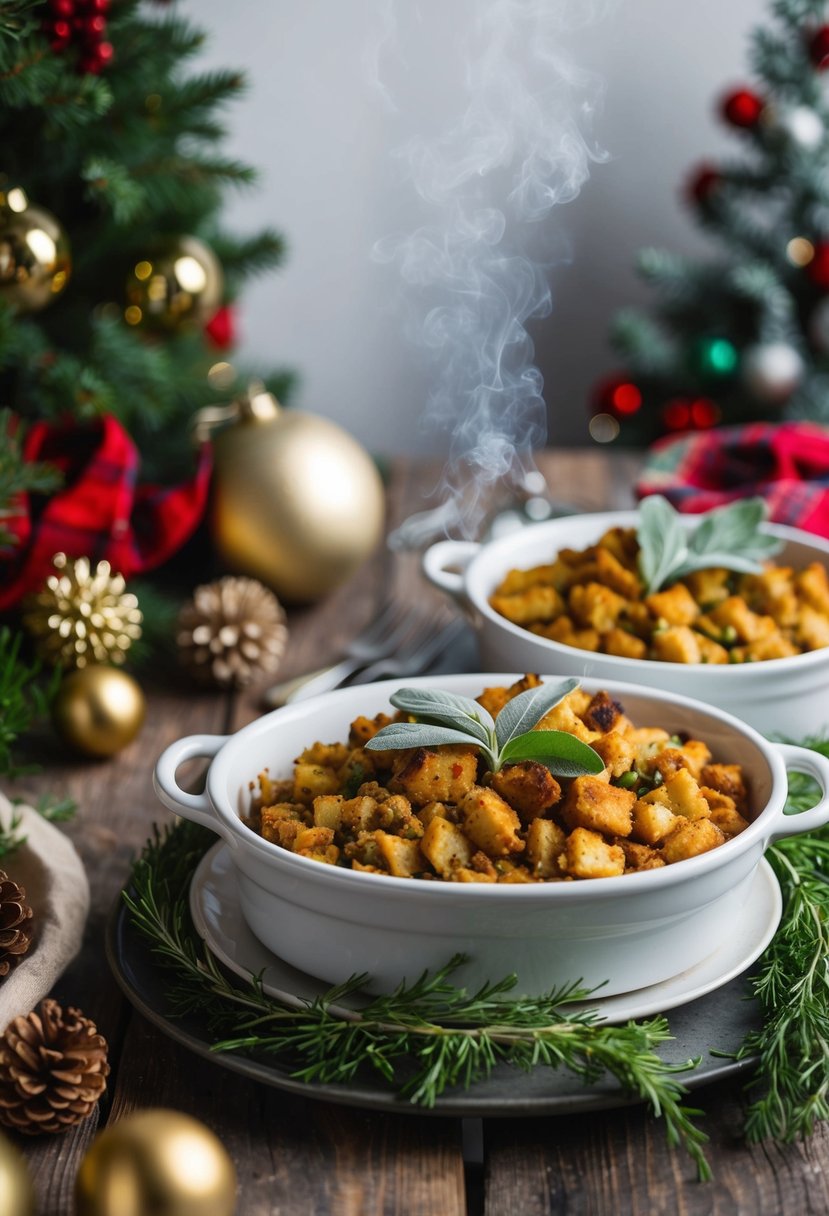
pixel 424 646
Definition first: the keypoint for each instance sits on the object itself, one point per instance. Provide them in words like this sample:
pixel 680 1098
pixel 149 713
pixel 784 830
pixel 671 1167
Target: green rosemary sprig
pixel 432 1033
pixel 23 700
pixel 792 987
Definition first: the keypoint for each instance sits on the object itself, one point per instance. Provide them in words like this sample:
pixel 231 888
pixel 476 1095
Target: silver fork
pixel 421 649
pixel 379 638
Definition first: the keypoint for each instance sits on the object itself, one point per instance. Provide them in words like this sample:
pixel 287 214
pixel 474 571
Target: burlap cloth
pixel 58 892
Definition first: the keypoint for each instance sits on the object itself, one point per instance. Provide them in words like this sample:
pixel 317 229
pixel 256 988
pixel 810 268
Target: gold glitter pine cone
pixel 53 1070
pixel 83 615
pixel 232 632
pixel 16 926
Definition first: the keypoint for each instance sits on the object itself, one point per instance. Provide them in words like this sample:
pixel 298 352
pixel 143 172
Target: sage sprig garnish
pixel 727 537
pixel 422 1039
pixel 446 718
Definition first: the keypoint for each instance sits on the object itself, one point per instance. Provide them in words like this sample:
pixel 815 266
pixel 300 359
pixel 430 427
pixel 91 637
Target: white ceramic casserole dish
pixel 622 933
pixel 788 696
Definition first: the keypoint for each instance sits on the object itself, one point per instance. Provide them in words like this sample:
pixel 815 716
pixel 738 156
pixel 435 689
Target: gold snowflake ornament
pixel 84 614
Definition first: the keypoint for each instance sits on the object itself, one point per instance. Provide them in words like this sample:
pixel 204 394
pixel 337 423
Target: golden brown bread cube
pixel 490 822
pixel 361 814
pixel 711 651
pixel 317 843
pixel 602 712
pixel 432 809
pixel 813 586
pixel 626 645
pixel 588 855
pixel 775 646
pixel 446 847
pixel 424 775
pixel 647 741
pixel 519 580
pixel 676 644
pixel 693 755
pixel 612 571
pixel 640 856
pixel 735 613
pixel 617 752
pixel 362 729
pixel 675 605
pixel 545 841
pixel 467 874
pixel 728 820
pixel 281 823
pixel 513 874
pixel 727 779
pixel 708 587
pixel 530 787
pixel 537 603
pixel 594 606
pixel 563 630
pixel 494 699
pixel 812 628
pixel 689 839
pixel 592 803
pixel 652 821
pixel 310 780
pixel 328 811
pixel 685 797
pixel 403 858
pixel 564 717
pixel 329 755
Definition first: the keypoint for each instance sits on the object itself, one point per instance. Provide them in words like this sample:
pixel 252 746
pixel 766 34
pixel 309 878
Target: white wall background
pixel 322 139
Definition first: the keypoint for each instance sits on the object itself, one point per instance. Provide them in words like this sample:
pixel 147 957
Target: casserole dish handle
pixel 816 766
pixel 192 806
pixel 438 560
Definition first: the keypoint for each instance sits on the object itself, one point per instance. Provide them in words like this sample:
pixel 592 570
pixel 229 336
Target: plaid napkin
pixel 100 511
pixel 786 463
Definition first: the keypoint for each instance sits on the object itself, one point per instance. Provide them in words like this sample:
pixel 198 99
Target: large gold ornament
pixel 297 501
pixel 83 615
pixel 98 710
pixel 17 1196
pixel 34 253
pixel 157 1161
pixel 179 283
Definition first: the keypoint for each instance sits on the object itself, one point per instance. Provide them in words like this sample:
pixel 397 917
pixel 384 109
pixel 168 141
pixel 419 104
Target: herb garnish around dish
pixel 727 537
pixel 444 717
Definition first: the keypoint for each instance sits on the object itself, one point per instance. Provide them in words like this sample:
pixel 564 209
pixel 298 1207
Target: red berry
pixel 61 9
pixel 98 6
pixel 94 28
pixel 703 185
pixel 617 395
pixel 221 328
pixel 705 412
pixel 61 35
pixel 676 414
pixel 817 270
pixel 104 52
pixel 742 108
pixel 819 48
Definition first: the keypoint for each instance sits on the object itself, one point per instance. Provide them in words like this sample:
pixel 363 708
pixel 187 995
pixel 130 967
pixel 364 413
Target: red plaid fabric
pixel 100 511
pixel 786 463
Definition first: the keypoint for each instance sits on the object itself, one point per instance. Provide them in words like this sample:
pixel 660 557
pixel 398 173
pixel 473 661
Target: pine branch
pixel 444 1035
pixel 22 699
pixel 18 477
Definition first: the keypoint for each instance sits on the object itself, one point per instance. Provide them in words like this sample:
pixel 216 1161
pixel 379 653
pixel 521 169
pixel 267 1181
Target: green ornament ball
pixel 715 357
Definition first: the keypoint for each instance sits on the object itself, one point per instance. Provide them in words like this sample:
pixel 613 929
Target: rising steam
pixel 477 271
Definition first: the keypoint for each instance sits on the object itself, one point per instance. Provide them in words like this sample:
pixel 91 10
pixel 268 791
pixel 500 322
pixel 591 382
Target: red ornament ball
pixel 817 270
pixel 703 185
pixel 617 395
pixel 742 108
pixel 221 328
pixel 819 48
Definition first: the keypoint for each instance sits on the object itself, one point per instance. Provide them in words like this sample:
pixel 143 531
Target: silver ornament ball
pixel 771 371
pixel 803 126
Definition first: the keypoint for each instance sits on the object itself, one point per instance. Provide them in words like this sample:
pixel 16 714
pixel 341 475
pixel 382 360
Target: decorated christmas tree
pixel 744 335
pixel 116 277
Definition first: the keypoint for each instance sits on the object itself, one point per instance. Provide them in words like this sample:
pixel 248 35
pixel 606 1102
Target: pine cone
pixel 232 632
pixel 53 1069
pixel 16 926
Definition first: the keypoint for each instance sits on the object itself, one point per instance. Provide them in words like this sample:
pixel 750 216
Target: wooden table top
pixel 297 1156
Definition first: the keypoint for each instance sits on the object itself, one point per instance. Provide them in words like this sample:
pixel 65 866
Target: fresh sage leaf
pixel 447 709
pixel 562 753
pixel 727 537
pixel 526 710
pixel 415 734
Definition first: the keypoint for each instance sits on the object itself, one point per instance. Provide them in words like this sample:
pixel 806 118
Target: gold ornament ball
pixel 178 284
pixel 298 503
pixel 98 710
pixel 157 1161
pixel 35 263
pixel 17 1196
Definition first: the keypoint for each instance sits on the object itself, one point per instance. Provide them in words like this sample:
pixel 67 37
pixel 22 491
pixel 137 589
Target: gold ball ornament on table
pixel 35 261
pixel 98 710
pixel 232 632
pixel 84 614
pixel 160 1162
pixel 297 502
pixel 179 283
pixel 53 1070
pixel 17 1194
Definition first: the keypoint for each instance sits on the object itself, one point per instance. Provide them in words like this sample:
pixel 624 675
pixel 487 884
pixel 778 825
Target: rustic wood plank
pixel 620 1162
